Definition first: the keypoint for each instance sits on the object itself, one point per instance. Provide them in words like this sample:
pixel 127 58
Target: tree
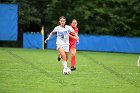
pixel 99 17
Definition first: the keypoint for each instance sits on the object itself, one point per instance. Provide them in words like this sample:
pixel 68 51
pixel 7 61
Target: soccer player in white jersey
pixel 62 41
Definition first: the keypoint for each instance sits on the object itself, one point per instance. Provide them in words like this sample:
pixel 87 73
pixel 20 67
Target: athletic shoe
pixel 59 58
pixel 73 68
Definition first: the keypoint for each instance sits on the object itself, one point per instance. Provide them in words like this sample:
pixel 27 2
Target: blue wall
pixel 109 43
pixel 8 22
pixel 51 44
pixel 90 42
pixel 32 40
pixel 104 43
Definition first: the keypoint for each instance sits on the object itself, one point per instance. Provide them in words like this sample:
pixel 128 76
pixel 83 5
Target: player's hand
pixel 77 37
pixel 78 40
pixel 46 40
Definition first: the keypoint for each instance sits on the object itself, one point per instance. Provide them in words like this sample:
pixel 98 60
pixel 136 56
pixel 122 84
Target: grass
pixel 38 71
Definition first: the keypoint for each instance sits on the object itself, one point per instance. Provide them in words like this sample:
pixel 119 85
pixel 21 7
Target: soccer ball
pixel 66 71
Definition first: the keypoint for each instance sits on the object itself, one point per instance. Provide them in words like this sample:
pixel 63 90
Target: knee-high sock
pixel 73 61
pixel 64 63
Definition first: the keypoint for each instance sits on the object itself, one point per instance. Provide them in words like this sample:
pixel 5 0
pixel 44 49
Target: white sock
pixel 64 64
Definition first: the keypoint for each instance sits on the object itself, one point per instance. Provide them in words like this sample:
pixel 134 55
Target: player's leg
pixel 63 55
pixel 66 53
pixel 59 57
pixel 66 49
pixel 73 58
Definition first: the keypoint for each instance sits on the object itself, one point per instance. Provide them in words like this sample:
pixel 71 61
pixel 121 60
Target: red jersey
pixel 72 41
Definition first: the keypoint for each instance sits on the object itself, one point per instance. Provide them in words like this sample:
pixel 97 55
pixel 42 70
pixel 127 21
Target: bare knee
pixel 64 58
pixel 62 53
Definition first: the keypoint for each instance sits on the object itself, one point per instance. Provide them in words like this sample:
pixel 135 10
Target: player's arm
pixel 75 34
pixel 51 34
pixel 74 37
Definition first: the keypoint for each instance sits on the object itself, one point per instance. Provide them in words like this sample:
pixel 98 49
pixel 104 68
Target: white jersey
pixel 63 34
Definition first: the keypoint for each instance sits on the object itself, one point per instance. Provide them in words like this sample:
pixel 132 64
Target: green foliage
pixel 100 17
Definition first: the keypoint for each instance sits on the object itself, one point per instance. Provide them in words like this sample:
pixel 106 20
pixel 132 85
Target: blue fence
pixel 8 22
pixel 91 43
pixel 51 44
pixel 109 44
pixel 104 43
pixel 33 40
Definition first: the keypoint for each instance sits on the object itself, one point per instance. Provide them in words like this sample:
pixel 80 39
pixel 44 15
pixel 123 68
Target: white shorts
pixel 66 48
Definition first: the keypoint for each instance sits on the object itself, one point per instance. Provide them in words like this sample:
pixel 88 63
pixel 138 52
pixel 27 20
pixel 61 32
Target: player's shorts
pixel 73 45
pixel 66 48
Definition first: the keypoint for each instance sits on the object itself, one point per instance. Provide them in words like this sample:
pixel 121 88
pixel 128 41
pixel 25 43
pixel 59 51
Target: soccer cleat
pixel 59 58
pixel 73 68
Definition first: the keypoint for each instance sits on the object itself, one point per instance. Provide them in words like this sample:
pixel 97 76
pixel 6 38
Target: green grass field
pixel 38 71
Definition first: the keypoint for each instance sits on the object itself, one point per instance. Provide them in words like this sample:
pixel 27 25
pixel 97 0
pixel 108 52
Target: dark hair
pixel 62 17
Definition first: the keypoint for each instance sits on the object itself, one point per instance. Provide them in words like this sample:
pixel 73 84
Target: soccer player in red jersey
pixel 72 42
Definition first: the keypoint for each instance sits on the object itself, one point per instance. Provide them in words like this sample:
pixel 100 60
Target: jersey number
pixel 62 35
